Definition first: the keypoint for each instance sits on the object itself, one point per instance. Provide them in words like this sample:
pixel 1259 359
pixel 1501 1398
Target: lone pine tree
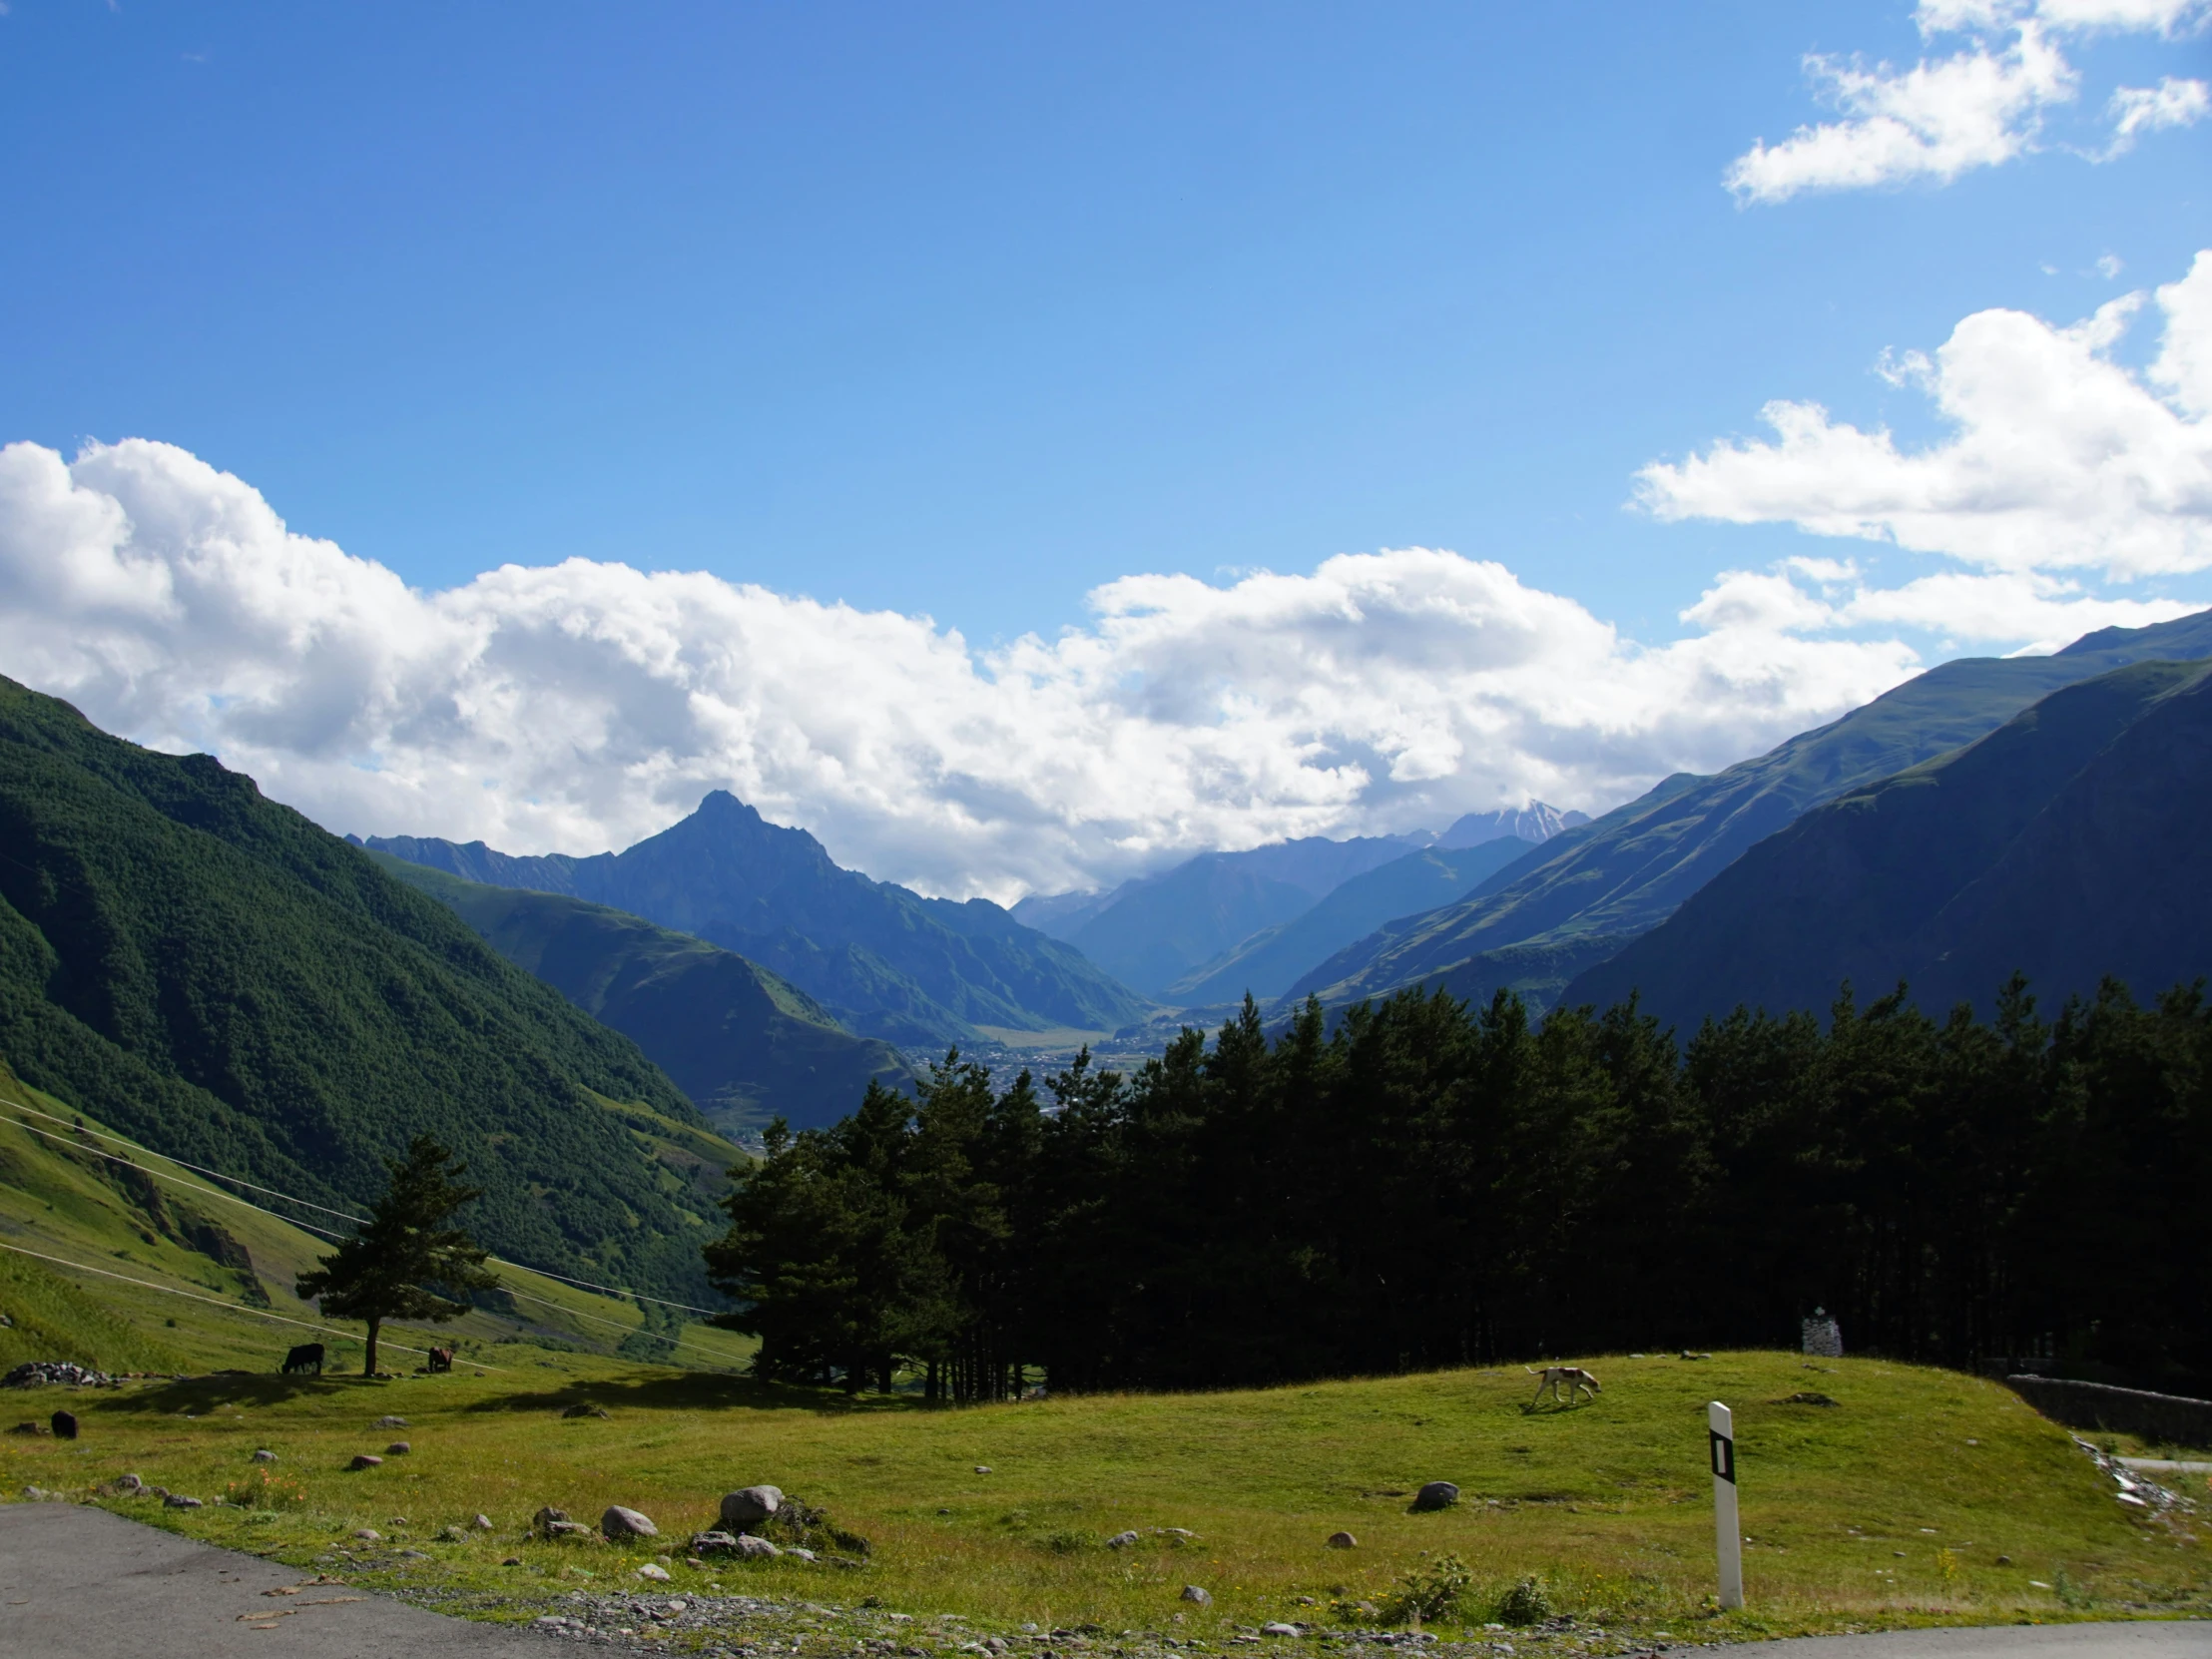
pixel 385 1269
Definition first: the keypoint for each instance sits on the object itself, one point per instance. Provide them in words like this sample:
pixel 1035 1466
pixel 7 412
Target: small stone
pixel 1436 1494
pixel 655 1571
pixel 714 1544
pixel 455 1534
pixel 982 1468
pixel 413 1556
pixel 129 1483
pixel 1122 1540
pixel 397 1448
pixel 2004 1560
pixel 798 1555
pixel 749 1506
pixel 389 1422
pixel 176 1500
pixel 585 1411
pixel 513 1562
pixel 365 1460
pixel 369 1535
pixel 1193 1592
pixel 264 1456
pixel 619 1523
pixel 1342 1541
pixel 1279 1629
pixel 757 1549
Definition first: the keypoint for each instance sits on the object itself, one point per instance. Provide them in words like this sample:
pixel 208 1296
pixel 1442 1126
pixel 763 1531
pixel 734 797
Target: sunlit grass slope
pixel 64 1195
pixel 1893 1504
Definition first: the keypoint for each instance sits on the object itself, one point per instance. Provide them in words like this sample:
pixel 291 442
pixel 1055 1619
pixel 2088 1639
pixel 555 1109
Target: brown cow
pixel 442 1359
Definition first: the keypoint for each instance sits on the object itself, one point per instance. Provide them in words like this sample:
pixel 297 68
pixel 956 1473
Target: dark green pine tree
pixel 407 1245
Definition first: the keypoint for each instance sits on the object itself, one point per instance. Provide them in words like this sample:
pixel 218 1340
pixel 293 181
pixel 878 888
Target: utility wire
pixel 228 1198
pixel 215 1174
pixel 218 1301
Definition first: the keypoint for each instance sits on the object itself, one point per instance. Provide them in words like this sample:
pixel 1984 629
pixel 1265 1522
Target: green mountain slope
pixel 1270 961
pixel 218 979
pixel 2067 844
pixel 884 961
pixel 1584 895
pixel 745 1046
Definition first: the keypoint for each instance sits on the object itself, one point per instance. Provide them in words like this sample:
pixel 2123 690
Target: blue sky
pixel 967 310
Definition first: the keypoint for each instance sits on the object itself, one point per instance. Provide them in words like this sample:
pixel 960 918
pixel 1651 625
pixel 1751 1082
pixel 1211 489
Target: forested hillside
pixel 884 961
pixel 1562 911
pixel 1433 1186
pixel 218 979
pixel 743 1044
pixel 2067 844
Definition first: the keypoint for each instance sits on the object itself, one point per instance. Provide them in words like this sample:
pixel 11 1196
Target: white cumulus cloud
pixel 1980 106
pixel 582 704
pixel 2060 458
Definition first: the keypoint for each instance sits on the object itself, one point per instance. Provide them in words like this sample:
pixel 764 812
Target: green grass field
pixel 1894 1505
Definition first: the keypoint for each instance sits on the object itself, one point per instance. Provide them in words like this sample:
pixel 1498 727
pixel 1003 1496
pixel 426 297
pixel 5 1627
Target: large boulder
pixel 1437 1494
pixel 619 1523
pixel 749 1508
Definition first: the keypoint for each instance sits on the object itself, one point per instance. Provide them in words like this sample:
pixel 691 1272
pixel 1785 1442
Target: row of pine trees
pixel 1431 1185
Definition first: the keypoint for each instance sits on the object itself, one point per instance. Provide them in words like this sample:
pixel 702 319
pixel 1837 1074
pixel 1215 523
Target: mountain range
pixel 1579 898
pixel 740 1042
pixel 2067 844
pixel 883 962
pixel 221 980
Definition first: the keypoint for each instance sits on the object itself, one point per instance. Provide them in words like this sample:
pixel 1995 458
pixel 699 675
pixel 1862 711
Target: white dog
pixel 1574 1378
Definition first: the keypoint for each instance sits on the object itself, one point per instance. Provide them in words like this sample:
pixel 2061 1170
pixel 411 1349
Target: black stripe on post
pixel 1724 1456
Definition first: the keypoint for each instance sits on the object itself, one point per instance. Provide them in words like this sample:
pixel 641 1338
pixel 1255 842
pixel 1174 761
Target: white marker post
pixel 1728 1537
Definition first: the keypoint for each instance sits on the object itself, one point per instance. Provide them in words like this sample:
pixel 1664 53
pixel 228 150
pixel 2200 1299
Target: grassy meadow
pixel 1919 1496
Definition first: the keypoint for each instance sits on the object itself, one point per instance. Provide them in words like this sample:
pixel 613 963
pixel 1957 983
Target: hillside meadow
pixel 1918 1496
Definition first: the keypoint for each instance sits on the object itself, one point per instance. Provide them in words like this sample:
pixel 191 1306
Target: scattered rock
pixel 1193 1592
pixel 755 1548
pixel 482 1523
pixel 389 1422
pixel 749 1506
pixel 800 1554
pixel 982 1468
pixel 365 1460
pixel 1279 1629
pixel 714 1544
pixel 369 1535
pixel 585 1411
pixel 264 1456
pixel 30 1428
pixel 1806 1396
pixel 1175 1532
pixel 455 1534
pixel 127 1485
pixel 32 1373
pixel 513 1562
pixel 1436 1494
pixel 413 1556
pixel 64 1425
pixel 397 1448
pixel 657 1573
pixel 176 1500
pixel 1122 1540
pixel 619 1523
pixel 1342 1541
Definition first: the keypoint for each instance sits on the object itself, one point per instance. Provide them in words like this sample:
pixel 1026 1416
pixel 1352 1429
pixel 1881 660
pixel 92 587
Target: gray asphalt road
pixel 2165 1639
pixel 80 1583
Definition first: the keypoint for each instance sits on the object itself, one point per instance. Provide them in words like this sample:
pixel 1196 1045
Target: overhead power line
pixel 309 1204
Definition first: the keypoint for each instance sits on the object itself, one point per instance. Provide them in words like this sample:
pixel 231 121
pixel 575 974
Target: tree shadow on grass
pixel 193 1393
pixel 695 1391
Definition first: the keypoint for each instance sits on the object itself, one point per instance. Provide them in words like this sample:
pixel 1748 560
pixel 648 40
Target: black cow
pixel 64 1425
pixel 442 1359
pixel 306 1358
